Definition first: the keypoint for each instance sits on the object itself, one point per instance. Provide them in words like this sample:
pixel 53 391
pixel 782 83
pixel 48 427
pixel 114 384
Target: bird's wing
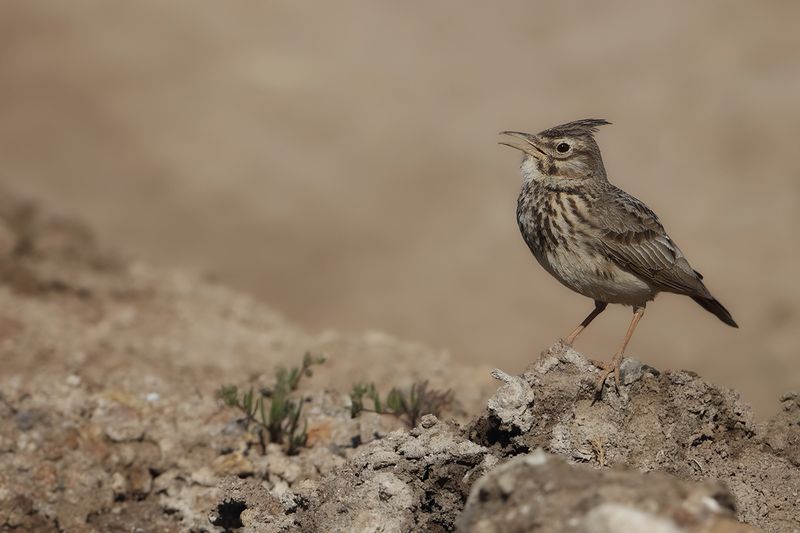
pixel 630 234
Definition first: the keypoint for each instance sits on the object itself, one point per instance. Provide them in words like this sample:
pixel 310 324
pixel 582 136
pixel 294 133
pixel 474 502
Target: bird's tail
pixel 713 306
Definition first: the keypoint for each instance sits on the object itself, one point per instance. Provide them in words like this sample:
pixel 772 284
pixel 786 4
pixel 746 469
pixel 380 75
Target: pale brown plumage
pixel 592 236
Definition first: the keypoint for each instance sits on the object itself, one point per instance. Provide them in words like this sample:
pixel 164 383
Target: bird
pixel 595 238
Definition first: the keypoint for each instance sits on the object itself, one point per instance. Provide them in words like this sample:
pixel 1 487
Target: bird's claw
pixel 606 369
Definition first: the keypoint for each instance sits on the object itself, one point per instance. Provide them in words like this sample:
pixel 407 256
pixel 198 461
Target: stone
pixel 531 491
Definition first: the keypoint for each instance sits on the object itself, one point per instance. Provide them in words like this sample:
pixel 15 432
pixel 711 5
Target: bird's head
pixel 565 152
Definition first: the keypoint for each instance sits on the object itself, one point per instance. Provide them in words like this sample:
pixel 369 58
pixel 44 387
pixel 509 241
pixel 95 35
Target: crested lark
pixel 593 237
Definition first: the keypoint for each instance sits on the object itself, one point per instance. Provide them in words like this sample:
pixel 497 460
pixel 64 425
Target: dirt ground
pixel 110 420
pixel 338 160
pixel 109 416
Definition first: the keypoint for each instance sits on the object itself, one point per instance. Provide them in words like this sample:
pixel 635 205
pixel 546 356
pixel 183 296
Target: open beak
pixel 523 142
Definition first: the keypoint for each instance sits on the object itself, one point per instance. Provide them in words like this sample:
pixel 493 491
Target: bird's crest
pixel 586 126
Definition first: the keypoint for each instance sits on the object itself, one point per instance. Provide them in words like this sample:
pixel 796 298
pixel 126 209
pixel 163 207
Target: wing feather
pixel 631 235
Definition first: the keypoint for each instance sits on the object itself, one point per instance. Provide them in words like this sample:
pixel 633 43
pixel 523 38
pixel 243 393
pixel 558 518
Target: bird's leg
pixel 599 307
pixel 616 361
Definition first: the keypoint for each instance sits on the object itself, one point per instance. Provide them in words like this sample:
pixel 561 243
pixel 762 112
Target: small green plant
pixel 273 411
pixel 408 405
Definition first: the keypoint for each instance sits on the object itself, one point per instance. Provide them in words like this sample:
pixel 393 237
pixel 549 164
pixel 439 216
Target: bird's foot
pixel 606 369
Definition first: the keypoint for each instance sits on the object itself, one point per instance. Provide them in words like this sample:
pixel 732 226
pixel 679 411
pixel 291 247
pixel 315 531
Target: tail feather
pixel 713 306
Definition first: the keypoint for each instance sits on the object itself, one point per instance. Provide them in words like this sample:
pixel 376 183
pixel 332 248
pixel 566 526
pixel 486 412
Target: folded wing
pixel 631 235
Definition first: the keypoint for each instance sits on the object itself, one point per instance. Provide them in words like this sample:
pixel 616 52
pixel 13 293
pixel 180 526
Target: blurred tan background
pixel 339 159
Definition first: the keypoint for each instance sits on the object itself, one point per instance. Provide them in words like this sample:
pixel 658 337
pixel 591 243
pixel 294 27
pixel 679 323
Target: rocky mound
pixel 111 421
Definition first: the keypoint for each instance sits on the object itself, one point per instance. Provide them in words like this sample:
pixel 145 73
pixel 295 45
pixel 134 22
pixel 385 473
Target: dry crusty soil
pixel 110 420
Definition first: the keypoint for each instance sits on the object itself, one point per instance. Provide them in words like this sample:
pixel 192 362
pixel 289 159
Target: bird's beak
pixel 524 142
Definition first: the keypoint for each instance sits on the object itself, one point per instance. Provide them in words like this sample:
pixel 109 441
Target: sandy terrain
pixel 338 159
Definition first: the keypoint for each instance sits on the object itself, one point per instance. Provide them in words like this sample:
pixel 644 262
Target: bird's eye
pixel 562 148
